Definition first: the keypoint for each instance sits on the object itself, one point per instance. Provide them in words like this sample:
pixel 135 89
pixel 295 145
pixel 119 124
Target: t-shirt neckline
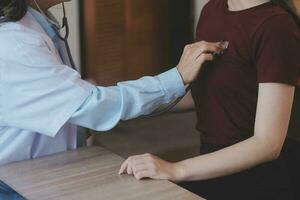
pixel 227 11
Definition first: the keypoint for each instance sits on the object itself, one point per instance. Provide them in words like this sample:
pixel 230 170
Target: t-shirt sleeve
pixel 277 51
pixel 38 92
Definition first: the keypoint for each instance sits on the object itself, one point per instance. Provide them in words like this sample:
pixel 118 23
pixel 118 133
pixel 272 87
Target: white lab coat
pixel 42 100
pixel 32 85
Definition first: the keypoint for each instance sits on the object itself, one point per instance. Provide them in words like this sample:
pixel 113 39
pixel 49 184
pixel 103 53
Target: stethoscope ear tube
pixel 65 25
pixel 70 54
pixel 57 29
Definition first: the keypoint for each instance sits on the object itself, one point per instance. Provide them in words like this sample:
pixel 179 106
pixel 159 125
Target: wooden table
pixel 87 173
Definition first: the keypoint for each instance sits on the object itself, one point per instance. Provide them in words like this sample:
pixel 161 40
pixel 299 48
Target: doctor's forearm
pixel 132 99
pixel 106 106
pixel 234 159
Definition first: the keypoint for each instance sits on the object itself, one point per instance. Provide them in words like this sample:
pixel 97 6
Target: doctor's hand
pixel 150 166
pixel 193 58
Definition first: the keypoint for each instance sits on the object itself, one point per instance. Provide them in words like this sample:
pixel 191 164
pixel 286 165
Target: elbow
pixel 274 152
pixel 274 155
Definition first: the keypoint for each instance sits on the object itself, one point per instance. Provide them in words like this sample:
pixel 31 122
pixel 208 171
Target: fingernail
pixel 225 44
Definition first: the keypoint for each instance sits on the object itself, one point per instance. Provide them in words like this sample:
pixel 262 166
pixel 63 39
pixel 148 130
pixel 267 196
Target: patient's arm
pixel 272 119
pixel 185 105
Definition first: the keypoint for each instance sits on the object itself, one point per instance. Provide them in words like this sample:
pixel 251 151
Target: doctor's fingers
pixel 201 59
pixel 208 45
pixel 204 47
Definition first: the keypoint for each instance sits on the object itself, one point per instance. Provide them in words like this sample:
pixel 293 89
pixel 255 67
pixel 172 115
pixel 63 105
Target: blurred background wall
pixel 133 38
pixel 75 12
pixel 127 39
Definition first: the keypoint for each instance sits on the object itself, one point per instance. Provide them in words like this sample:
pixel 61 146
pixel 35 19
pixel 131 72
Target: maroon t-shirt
pixel 264 47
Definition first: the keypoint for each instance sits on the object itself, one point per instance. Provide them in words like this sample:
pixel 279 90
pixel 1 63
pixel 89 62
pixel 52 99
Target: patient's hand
pixel 193 58
pixel 150 166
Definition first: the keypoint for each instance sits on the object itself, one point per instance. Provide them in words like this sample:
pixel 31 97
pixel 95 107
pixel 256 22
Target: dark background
pixel 127 39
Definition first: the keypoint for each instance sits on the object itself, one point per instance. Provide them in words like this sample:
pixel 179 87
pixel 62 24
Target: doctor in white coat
pixel 42 99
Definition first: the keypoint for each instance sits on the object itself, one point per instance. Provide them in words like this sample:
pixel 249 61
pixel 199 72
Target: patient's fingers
pixel 128 164
pixel 134 164
pixel 129 169
pixel 142 174
pixel 123 167
pixel 139 167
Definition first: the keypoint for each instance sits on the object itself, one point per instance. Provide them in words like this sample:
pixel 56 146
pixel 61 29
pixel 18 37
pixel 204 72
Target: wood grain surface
pixel 87 174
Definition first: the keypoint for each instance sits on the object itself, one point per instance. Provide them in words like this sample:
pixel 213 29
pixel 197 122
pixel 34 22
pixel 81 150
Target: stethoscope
pixel 57 28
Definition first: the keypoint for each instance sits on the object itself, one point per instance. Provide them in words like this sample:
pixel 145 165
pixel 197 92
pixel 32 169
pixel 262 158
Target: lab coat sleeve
pixel 105 107
pixel 38 92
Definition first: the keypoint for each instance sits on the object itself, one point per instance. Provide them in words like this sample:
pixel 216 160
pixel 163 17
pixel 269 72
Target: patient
pixel 244 104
